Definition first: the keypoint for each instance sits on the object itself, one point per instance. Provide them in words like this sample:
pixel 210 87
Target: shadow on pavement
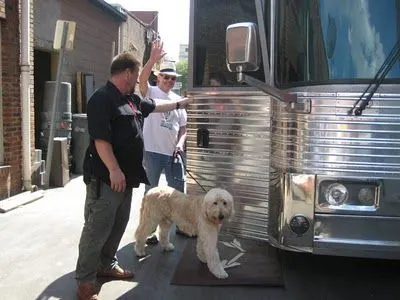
pixel 306 277
pixel 65 287
pixel 151 273
pixel 62 288
pixel 331 278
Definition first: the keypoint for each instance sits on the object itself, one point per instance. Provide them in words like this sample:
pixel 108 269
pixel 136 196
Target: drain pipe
pixel 26 94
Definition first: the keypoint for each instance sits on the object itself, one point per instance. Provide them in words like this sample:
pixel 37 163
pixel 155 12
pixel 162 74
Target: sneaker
pixel 152 240
pixel 87 291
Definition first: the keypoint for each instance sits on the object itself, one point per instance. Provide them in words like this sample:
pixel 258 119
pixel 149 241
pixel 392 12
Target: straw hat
pixel 167 68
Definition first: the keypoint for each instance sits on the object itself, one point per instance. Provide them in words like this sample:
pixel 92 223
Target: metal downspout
pixel 25 94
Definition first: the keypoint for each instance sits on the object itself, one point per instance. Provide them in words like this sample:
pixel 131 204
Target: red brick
pixel 11 97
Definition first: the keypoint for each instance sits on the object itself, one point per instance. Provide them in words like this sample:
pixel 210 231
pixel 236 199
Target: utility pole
pixel 63 41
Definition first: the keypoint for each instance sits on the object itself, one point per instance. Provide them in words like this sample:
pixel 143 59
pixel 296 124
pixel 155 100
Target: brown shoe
pixel 87 291
pixel 115 273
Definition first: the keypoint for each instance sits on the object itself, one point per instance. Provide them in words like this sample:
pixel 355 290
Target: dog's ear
pixel 231 204
pixel 232 214
pixel 233 211
pixel 204 208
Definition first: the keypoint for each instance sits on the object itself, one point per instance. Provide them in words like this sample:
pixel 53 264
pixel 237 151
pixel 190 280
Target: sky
pixel 173 23
pixel 365 32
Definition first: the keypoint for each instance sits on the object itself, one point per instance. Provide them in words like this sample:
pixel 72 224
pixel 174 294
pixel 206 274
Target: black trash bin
pixel 80 141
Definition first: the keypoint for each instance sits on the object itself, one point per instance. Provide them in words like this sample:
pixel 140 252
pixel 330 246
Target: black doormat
pixel 249 262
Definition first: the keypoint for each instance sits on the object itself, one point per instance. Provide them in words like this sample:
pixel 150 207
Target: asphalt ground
pixel 38 252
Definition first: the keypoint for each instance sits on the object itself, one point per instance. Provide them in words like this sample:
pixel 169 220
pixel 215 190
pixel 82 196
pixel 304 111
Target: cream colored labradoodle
pixel 201 216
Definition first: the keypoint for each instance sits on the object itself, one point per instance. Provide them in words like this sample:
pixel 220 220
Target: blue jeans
pixel 155 163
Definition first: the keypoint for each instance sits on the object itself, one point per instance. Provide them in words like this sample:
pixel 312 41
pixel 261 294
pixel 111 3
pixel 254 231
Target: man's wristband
pixel 178 105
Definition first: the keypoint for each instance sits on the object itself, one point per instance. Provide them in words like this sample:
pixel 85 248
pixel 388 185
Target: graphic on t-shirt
pixel 167 121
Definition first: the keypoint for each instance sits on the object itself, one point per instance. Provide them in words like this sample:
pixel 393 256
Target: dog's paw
pixel 140 252
pixel 202 259
pixel 169 247
pixel 221 274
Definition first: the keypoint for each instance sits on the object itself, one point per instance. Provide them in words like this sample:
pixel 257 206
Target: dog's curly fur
pixel 201 216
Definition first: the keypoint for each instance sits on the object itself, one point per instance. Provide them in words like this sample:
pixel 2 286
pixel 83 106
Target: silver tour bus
pixel 297 113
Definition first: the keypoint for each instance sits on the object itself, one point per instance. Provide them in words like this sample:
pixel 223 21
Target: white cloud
pixel 367 50
pixel 363 40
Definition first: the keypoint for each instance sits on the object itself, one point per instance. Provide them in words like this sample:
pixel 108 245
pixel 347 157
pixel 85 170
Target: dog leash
pixel 177 155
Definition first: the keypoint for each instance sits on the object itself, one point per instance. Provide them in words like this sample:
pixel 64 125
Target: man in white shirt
pixel 164 133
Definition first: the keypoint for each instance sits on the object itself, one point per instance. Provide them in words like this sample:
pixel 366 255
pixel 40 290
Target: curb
pixel 19 200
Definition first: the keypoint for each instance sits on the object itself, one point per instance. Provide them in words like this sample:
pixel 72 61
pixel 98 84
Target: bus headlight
pixel 336 194
pixel 348 195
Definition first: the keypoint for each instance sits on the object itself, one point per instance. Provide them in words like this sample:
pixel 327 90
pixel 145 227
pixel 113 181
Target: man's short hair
pixel 124 61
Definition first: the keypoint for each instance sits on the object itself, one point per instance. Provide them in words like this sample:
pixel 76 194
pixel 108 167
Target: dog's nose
pixel 221 216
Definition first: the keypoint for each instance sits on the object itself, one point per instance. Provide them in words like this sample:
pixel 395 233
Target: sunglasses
pixel 167 77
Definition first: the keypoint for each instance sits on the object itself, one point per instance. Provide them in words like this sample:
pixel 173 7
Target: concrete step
pixel 18 200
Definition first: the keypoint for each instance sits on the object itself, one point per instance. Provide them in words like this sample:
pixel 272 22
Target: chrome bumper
pixel 358 236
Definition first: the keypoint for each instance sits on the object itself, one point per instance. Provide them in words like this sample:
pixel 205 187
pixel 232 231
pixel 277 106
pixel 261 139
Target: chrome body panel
pixel 329 142
pixel 299 194
pixel 237 155
pixel 327 145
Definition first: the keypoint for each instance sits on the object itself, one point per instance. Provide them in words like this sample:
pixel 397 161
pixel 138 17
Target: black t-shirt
pixel 117 119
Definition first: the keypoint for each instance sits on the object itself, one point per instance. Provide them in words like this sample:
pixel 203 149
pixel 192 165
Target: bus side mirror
pixel 243 55
pixel 242 47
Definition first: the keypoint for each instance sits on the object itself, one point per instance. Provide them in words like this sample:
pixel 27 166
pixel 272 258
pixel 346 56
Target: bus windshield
pixel 325 41
pixel 211 18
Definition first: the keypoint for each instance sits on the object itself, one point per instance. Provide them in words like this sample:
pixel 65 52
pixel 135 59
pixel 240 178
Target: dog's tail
pixel 141 211
pixel 142 206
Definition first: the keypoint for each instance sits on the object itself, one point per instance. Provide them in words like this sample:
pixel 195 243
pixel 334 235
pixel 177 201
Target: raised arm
pixel 156 54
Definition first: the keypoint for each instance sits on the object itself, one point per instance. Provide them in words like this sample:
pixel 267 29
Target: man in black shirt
pixel 112 167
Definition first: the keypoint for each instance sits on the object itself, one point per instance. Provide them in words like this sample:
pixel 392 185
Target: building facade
pixel 183 52
pixel 12 104
pixel 102 30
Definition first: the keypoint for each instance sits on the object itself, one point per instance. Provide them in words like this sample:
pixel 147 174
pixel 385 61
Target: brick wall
pixel 96 30
pixel 11 94
pixel 133 37
pixel 11 97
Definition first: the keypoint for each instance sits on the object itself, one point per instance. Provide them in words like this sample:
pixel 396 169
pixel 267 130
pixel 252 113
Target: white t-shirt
pixel 160 130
